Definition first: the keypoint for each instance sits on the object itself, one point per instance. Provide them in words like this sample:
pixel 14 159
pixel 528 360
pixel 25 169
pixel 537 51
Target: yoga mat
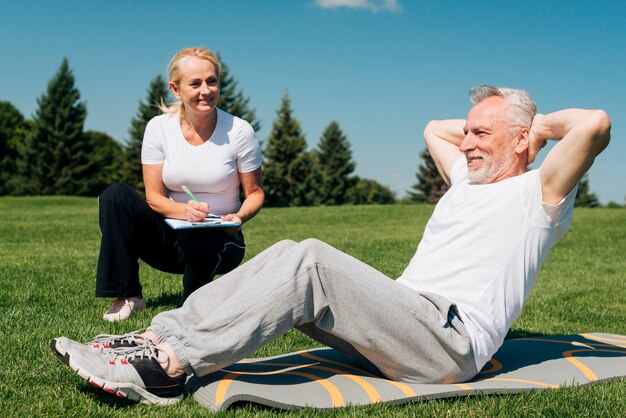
pixel 325 378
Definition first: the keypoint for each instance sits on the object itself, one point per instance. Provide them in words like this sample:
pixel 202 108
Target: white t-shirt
pixel 482 249
pixel 211 170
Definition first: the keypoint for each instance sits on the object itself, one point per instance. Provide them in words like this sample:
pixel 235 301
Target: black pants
pixel 131 230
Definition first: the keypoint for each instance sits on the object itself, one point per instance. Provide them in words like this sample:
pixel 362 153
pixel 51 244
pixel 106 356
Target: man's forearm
pixel 449 130
pixel 582 135
pixel 557 124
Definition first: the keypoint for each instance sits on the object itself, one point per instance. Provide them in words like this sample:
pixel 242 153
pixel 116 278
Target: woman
pixel 194 144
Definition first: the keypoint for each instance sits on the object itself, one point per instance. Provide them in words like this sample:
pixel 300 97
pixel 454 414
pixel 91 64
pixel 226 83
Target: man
pixel 441 321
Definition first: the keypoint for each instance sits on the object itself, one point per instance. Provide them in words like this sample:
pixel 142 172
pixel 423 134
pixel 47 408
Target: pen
pixel 191 196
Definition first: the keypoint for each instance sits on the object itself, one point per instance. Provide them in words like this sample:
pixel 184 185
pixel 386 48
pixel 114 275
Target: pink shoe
pixel 123 308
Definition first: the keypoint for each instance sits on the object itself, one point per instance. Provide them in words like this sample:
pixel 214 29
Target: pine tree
pixel 430 186
pixel 12 130
pixel 584 197
pixel 157 92
pixel 335 165
pixel 232 100
pixel 55 146
pixel 285 168
pixel 105 166
pixel 366 192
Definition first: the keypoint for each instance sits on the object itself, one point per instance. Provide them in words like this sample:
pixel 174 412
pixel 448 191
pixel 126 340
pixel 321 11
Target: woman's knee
pixel 116 192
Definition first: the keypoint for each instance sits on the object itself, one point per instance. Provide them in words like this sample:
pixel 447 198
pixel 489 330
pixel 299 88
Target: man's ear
pixel 522 140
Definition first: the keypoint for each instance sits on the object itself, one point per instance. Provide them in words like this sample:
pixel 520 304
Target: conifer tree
pixel 584 196
pixel 105 166
pixel 367 191
pixel 12 129
pixel 157 92
pixel 285 169
pixel 232 100
pixel 335 165
pixel 430 186
pixel 56 146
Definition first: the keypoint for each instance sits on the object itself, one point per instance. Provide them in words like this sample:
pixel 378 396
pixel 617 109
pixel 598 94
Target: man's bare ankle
pixel 150 336
pixel 168 360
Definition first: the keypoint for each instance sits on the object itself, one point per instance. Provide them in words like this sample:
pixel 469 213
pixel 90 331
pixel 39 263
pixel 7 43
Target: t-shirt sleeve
pixel 248 150
pixel 543 214
pixel 152 151
pixel 458 171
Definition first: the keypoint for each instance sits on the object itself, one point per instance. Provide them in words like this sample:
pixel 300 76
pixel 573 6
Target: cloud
pixel 371 5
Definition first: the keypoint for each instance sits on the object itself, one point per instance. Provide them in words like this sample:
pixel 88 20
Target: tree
pixel 232 100
pixel 286 169
pixel 105 166
pixel 55 145
pixel 12 130
pixel 335 165
pixel 366 191
pixel 157 92
pixel 584 197
pixel 430 186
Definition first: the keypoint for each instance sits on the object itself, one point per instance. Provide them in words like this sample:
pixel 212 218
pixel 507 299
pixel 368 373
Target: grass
pixel 48 254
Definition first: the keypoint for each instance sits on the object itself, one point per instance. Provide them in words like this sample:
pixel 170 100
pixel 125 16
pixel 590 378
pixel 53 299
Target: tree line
pixel 52 154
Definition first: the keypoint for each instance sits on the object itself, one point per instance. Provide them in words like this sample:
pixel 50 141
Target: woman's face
pixel 198 89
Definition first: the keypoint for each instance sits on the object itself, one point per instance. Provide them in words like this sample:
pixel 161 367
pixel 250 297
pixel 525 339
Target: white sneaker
pixel 123 308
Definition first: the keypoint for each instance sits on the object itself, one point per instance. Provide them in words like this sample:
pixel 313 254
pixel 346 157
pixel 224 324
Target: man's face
pixel 488 145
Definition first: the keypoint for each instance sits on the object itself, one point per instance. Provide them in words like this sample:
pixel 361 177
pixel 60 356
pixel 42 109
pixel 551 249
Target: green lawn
pixel 48 253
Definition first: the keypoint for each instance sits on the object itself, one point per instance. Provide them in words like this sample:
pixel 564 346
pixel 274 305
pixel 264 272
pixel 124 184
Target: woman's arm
pixel 160 203
pixel 252 185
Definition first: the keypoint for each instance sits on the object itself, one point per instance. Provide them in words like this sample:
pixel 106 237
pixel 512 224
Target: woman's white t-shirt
pixel 211 170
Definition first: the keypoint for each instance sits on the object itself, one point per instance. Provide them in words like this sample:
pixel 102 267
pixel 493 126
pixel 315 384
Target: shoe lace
pixel 131 338
pixel 147 351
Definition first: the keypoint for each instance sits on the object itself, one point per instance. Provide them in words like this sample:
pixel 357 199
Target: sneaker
pixel 134 373
pixel 101 343
pixel 105 342
pixel 123 308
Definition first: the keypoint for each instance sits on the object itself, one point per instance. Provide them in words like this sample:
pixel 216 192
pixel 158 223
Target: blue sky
pixel 381 69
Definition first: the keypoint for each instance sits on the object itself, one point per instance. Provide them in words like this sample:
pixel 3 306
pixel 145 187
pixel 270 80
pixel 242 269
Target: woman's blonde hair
pixel 175 72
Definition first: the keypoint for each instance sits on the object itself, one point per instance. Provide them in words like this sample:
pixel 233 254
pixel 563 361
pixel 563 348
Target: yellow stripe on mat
pixel 404 388
pixel 225 382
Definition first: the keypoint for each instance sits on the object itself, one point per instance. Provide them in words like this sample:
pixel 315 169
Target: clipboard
pixel 210 222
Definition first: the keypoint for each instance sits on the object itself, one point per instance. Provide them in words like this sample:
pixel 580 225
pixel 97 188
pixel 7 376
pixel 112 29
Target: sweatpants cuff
pixel 179 349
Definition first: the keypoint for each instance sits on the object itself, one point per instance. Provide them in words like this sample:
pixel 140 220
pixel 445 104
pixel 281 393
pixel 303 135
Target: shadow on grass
pixel 166 299
pixel 104 397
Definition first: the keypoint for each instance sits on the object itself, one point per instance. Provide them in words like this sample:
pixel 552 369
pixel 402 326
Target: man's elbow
pixel 430 131
pixel 602 124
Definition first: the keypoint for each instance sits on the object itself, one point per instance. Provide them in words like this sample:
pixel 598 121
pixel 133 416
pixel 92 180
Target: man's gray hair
pixel 521 107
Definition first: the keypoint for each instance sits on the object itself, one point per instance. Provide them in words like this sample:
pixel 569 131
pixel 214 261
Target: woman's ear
pixel 174 89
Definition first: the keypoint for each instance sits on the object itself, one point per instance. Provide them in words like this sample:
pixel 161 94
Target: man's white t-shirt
pixel 482 249
pixel 211 170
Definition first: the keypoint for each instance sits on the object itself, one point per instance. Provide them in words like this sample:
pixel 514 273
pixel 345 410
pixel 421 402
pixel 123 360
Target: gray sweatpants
pixel 330 296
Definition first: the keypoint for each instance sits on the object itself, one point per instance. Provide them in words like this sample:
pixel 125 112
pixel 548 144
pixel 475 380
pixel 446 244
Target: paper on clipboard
pixel 206 223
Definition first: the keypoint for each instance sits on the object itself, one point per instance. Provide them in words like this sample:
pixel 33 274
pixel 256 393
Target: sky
pixel 380 68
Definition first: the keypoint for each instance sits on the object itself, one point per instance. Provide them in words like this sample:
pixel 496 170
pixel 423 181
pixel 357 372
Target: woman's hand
pixel 196 211
pixel 231 217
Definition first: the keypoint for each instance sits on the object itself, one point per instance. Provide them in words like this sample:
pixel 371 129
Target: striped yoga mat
pixel 325 378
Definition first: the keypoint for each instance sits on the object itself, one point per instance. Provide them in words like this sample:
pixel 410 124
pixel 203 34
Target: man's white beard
pixel 489 169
